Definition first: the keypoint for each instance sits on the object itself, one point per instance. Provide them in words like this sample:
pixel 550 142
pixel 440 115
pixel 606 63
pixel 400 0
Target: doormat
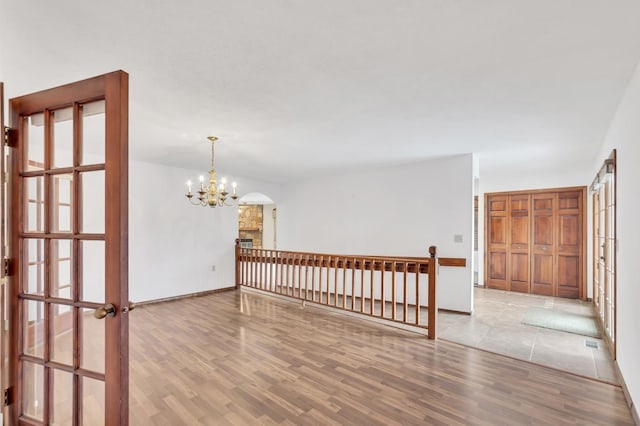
pixel 584 325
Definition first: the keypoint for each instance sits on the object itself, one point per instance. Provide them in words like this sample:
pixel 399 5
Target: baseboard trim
pixel 453 311
pixel 627 396
pixel 185 296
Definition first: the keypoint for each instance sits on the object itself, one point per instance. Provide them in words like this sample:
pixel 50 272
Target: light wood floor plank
pixel 207 361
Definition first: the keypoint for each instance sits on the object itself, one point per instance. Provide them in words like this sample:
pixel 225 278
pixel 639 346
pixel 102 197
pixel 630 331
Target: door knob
pixel 131 307
pixel 104 311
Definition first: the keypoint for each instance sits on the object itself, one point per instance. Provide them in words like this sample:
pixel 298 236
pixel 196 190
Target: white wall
pixel 624 136
pixel 388 211
pixel 173 245
pixel 268 226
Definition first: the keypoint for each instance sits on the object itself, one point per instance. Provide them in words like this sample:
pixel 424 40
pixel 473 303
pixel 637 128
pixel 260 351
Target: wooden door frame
pixel 113 88
pixel 613 160
pixel 583 285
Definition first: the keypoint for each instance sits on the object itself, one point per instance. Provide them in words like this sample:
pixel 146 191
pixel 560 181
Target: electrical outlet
pixel 457 238
pixel 213 268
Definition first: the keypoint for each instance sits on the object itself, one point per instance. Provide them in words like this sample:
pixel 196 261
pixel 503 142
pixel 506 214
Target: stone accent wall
pixel 250 223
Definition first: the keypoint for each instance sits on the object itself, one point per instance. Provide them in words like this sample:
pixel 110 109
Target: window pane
pixel 34 156
pixel 34 208
pixel 62 339
pixel 33 280
pixel 63 137
pixel 93 133
pixel 61 268
pixel 33 331
pixel 62 190
pixel 93 202
pixel 33 390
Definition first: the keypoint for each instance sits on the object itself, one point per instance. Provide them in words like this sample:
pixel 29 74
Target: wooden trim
pixel 185 296
pixel 452 261
pixel 614 347
pixel 535 191
pixel 627 396
pixel 584 291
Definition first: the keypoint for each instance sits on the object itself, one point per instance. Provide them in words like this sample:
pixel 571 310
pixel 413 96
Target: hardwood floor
pixel 240 358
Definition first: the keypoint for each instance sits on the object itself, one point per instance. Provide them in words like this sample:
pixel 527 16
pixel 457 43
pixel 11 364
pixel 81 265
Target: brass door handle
pixel 131 307
pixel 104 311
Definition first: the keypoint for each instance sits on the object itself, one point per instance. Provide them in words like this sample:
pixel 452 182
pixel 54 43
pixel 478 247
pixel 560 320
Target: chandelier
pixel 211 194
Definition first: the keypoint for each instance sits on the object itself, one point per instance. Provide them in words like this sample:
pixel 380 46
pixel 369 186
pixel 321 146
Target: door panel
pixel 543 279
pixel 519 273
pixel 498 232
pixel 497 239
pixel 569 249
pixel 498 266
pixel 70 250
pixel 519 220
pixel 568 276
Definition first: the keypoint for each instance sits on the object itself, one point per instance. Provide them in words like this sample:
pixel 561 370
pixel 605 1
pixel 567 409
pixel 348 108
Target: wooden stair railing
pixel 397 289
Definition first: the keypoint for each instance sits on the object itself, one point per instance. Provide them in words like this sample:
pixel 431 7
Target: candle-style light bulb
pixel 201 183
pixel 234 185
pixel 189 187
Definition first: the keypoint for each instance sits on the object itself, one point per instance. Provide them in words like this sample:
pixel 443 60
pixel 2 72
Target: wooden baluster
pixel 278 271
pixel 288 280
pixel 306 276
pixel 250 255
pixel 299 261
pixel 329 280
pixel 344 283
pixel 296 282
pixel 320 278
pixel 393 290
pixel 245 267
pixel 353 284
pixel 237 264
pixel 267 270
pixel 273 262
pixel 362 298
pixel 273 270
pixel 372 300
pixel 335 281
pixel 405 293
pixel 284 265
pixel 433 307
pixel 383 302
pixel 313 278
pixel 261 264
pixel 417 294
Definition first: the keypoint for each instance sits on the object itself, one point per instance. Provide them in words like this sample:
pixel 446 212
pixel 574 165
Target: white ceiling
pixel 302 88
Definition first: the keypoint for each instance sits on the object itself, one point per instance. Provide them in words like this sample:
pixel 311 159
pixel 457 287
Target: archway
pixel 257 221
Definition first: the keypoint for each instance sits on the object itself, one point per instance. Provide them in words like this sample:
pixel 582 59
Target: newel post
pixel 237 263
pixel 433 307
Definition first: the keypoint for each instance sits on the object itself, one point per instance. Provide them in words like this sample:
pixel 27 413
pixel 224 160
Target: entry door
pixel 68 288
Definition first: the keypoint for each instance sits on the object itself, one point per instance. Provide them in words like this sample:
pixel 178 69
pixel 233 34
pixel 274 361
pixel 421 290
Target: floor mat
pixel 584 325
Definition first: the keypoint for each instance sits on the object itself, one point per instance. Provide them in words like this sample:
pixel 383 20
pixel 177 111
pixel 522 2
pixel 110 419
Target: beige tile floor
pixel 496 326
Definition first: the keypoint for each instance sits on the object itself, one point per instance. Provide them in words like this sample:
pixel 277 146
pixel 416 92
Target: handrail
pixel 387 287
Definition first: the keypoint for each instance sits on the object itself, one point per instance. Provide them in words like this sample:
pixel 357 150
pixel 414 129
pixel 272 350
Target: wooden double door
pixel 535 242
